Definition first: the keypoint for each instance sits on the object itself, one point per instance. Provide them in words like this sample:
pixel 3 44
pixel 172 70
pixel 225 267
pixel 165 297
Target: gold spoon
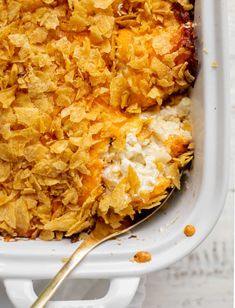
pixel 100 234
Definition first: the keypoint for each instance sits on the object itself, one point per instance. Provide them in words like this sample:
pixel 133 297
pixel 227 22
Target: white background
pixel 204 278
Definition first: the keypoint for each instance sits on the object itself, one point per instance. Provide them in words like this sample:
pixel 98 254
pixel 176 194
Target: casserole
pixel 199 202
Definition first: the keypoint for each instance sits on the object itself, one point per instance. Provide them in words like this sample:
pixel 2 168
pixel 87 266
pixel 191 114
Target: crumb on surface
pixel 189 230
pixel 8 238
pixel 205 50
pixel 64 259
pixel 214 64
pixel 142 257
pixel 132 236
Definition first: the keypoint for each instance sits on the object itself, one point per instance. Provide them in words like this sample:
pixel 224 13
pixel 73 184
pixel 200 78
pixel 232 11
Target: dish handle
pixel 120 294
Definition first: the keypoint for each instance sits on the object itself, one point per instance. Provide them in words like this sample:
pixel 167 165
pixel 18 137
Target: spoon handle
pixel 85 247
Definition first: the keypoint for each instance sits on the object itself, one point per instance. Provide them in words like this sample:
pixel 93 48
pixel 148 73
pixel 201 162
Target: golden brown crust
pixel 74 78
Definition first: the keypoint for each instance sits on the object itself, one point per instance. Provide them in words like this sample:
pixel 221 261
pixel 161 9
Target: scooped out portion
pixel 138 174
pixel 94 117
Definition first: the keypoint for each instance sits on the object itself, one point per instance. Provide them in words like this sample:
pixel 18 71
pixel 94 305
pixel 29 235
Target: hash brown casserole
pixel 94 119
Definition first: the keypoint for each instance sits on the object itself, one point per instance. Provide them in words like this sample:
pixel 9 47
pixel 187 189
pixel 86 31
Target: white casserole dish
pixel 200 202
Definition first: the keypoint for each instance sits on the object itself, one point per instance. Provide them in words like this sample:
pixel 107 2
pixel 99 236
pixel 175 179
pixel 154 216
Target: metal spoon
pixel 100 234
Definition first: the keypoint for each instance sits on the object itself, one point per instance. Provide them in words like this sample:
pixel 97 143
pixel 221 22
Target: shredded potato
pixel 77 140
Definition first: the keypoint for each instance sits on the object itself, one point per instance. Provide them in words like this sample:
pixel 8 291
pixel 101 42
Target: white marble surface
pixel 204 278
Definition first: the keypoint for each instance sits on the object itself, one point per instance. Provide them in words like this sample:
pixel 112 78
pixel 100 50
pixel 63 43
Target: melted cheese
pixel 145 155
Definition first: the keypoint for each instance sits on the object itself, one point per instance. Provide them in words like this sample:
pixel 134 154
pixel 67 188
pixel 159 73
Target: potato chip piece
pixel 104 204
pixel 13 75
pixel 5 198
pixel 102 26
pixel 127 211
pixel 118 86
pixel 173 173
pixel 20 179
pixel 48 1
pixel 51 168
pixel 47 235
pixel 43 213
pixel 49 19
pixel 5 227
pixel 13 10
pixel 35 152
pixel 162 42
pixel 30 202
pixel 177 145
pixel 27 116
pixel 22 217
pixel 7 96
pixel 139 63
pixel 102 4
pixel 70 196
pixel 162 185
pixel 5 171
pixel 78 227
pixel 162 70
pixel 59 146
pixel 184 159
pixel 79 160
pixel 7 214
pixel 154 93
pixel 153 202
pixel 22 135
pixel 133 180
pixel 39 35
pixel 117 200
pixel 165 83
pixel 39 83
pixel 124 43
pixel 7 153
pixel 186 4
pixel 88 206
pixel 62 223
pixel 78 21
pixel 18 40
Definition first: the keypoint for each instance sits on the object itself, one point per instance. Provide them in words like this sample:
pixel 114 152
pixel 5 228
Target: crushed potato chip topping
pixel 76 138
